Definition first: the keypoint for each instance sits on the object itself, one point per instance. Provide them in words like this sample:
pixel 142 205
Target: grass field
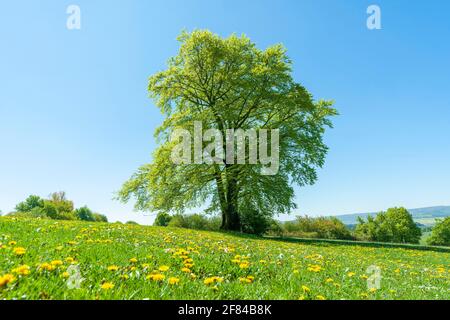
pixel 39 259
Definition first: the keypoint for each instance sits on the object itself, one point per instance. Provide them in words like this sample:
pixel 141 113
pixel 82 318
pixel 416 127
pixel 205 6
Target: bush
pixel 100 217
pixel 319 228
pixel 85 214
pixel 394 225
pixel 162 219
pixel 30 203
pixel 440 234
pixel 253 222
pixel 195 221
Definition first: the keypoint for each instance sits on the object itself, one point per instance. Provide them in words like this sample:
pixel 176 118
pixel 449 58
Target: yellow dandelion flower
pixel 133 260
pixel 22 270
pixel 306 289
pixel 12 243
pixel 187 270
pixel 6 279
pixel 319 297
pixel 329 280
pixel 113 268
pixel 56 263
pixel 156 277
pixel 164 268
pixel 46 266
pixel 107 286
pixel 372 290
pixel 65 275
pixel 244 265
pixel 70 260
pixel 19 251
pixel 173 280
pixel 350 274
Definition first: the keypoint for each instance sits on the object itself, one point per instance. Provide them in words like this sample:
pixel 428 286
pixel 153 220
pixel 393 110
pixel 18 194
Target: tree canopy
pixel 394 225
pixel 228 83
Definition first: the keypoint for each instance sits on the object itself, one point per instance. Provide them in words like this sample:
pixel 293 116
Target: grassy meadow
pixel 38 260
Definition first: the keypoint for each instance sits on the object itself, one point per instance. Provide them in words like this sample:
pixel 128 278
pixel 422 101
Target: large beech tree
pixel 228 83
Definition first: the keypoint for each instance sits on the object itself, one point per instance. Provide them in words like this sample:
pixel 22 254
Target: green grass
pixel 281 270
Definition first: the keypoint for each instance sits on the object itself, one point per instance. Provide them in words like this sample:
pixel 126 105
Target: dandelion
pixel 124 277
pixel 107 286
pixel 12 243
pixel 329 280
pixel 46 266
pixel 133 260
pixel 22 270
pixel 173 281
pixel 156 277
pixel 164 268
pixel 306 289
pixel 19 251
pixel 372 290
pixel 244 265
pixel 70 260
pixel 187 270
pixel 319 297
pixel 212 280
pixel 314 268
pixel 350 274
pixel 6 279
pixel 65 275
pixel 113 268
pixel 56 263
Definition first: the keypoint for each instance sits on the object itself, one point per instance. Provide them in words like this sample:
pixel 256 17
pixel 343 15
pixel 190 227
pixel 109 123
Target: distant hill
pixel 425 216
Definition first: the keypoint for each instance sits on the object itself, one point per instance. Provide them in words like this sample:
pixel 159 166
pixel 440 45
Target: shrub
pixel 85 214
pixel 440 234
pixel 394 225
pixel 30 203
pixel 321 227
pixel 162 219
pixel 100 217
pixel 195 221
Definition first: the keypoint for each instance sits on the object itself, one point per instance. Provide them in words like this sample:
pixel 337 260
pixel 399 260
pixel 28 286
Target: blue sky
pixel 75 115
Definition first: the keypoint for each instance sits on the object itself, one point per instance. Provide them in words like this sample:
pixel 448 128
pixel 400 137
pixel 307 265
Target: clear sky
pixel 75 115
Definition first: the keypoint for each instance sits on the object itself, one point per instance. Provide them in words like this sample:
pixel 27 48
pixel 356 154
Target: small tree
pixel 30 203
pixel 440 234
pixel 394 225
pixel 85 214
pixel 162 219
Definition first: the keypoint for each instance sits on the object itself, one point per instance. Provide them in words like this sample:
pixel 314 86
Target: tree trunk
pixel 228 196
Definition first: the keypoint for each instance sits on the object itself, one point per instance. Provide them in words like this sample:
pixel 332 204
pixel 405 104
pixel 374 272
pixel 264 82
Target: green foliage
pixel 194 221
pixel 319 228
pixel 254 222
pixel 132 223
pixel 100 217
pixel 85 214
pixel 440 235
pixel 394 225
pixel 228 83
pixel 162 219
pixel 57 207
pixel 30 203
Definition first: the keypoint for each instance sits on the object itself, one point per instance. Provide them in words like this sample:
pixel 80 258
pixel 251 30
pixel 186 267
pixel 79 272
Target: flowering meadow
pixel 45 259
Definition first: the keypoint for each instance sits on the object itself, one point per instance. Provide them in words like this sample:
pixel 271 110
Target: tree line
pixel 56 207
pixel 396 225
